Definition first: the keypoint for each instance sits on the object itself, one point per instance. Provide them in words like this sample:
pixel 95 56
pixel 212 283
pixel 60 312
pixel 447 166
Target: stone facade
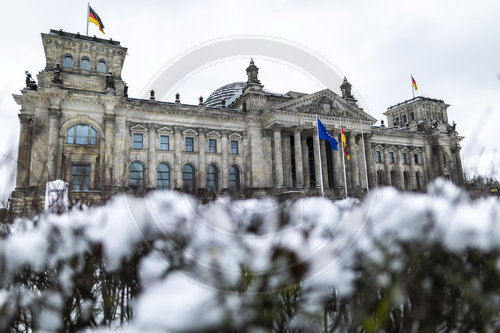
pixel 79 125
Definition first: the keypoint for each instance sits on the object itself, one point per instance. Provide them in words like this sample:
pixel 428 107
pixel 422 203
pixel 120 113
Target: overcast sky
pixel 452 48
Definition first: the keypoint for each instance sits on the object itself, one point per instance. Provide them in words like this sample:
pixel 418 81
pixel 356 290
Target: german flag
pixel 414 83
pixel 345 143
pixel 94 18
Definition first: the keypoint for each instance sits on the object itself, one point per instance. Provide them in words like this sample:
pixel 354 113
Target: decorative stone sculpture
pixel 56 78
pixel 152 95
pixel 125 91
pixel 177 98
pixel 201 101
pixel 30 83
pixel 110 81
pixel 252 73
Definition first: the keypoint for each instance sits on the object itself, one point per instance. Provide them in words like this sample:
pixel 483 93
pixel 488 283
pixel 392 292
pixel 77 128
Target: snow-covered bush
pixel 393 262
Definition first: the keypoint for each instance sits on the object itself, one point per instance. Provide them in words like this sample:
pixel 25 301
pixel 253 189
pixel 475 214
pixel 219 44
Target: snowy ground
pixel 202 266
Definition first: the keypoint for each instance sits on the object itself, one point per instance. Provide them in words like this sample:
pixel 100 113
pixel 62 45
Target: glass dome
pixel 229 93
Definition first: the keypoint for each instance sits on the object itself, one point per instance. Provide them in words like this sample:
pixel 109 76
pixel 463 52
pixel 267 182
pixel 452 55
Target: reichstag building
pixel 78 124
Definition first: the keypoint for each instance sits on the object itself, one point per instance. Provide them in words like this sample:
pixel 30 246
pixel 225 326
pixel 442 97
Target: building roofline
pixel 60 32
pixel 415 99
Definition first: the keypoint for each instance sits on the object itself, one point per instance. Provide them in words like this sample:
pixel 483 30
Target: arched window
pixel 136 183
pixel 417 177
pixel 188 178
pixel 212 178
pixel 163 176
pixel 234 178
pixel 81 134
pixel 380 178
pixel 396 122
pixel 68 61
pixel 101 66
pixel 412 116
pixel 406 180
pixel 405 120
pixel 393 178
pixel 85 64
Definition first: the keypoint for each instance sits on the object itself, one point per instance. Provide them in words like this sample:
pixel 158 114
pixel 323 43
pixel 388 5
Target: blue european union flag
pixel 325 135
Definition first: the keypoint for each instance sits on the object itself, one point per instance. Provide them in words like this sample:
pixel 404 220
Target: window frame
pixel 404 158
pixel 212 146
pixel 233 151
pixel 164 146
pixel 378 156
pixel 212 177
pixel 391 157
pixel 134 141
pixel 87 178
pixel 188 188
pixel 82 60
pixel 101 61
pixel 416 158
pixel 68 56
pixel 73 138
pixel 189 147
pixel 163 173
pixel 139 179
pixel 237 179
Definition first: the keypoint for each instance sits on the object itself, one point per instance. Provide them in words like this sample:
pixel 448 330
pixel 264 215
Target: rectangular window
pixel 378 157
pixel 391 157
pixel 403 158
pixel 416 158
pixel 163 142
pixel 137 141
pixel 80 177
pixel 212 146
pixel 234 147
pixel 189 144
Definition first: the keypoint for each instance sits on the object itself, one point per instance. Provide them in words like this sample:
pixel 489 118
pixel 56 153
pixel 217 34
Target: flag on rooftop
pixel 345 144
pixel 414 83
pixel 94 18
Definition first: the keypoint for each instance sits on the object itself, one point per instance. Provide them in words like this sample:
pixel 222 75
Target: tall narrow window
pixel 378 157
pixel 163 176
pixel 85 64
pixel 136 182
pixel 164 142
pixel 68 61
pixel 188 178
pixel 80 177
pixel 403 158
pixel 415 157
pixel 391 157
pixel 101 66
pixel 234 179
pixel 292 161
pixel 405 120
pixel 393 178
pixel 329 165
pixel 406 180
pixel 212 178
pixel 310 159
pixel 137 141
pixel 380 178
pixel 212 145
pixel 234 147
pixel 189 144
pixel 71 135
pixel 412 116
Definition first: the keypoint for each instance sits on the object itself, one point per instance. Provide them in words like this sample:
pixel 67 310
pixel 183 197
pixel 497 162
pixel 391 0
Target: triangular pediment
pixel 138 128
pixel 213 134
pixel 235 135
pixel 190 132
pixel 165 130
pixel 326 103
pixel 80 151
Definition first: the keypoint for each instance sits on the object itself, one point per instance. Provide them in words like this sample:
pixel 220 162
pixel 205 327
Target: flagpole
pixel 364 155
pixel 319 154
pixel 343 157
pixel 88 13
pixel 412 87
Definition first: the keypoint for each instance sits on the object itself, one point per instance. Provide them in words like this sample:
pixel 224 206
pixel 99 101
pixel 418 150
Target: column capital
pixel 25 118
pixel 109 118
pixel 55 112
pixel 297 129
pixel 277 127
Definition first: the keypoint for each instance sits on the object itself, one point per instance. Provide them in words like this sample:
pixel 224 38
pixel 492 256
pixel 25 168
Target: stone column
pixel 151 183
pixel 178 157
pixel 316 158
pixel 354 159
pixel 413 177
pixel 387 171
pixel 305 161
pixel 202 147
pixel 54 118
pixel 299 170
pixel 109 121
pixel 324 165
pixel 399 173
pixel 24 151
pixel 337 164
pixel 120 151
pixel 225 160
pixel 287 161
pixel 370 160
pixel 278 158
